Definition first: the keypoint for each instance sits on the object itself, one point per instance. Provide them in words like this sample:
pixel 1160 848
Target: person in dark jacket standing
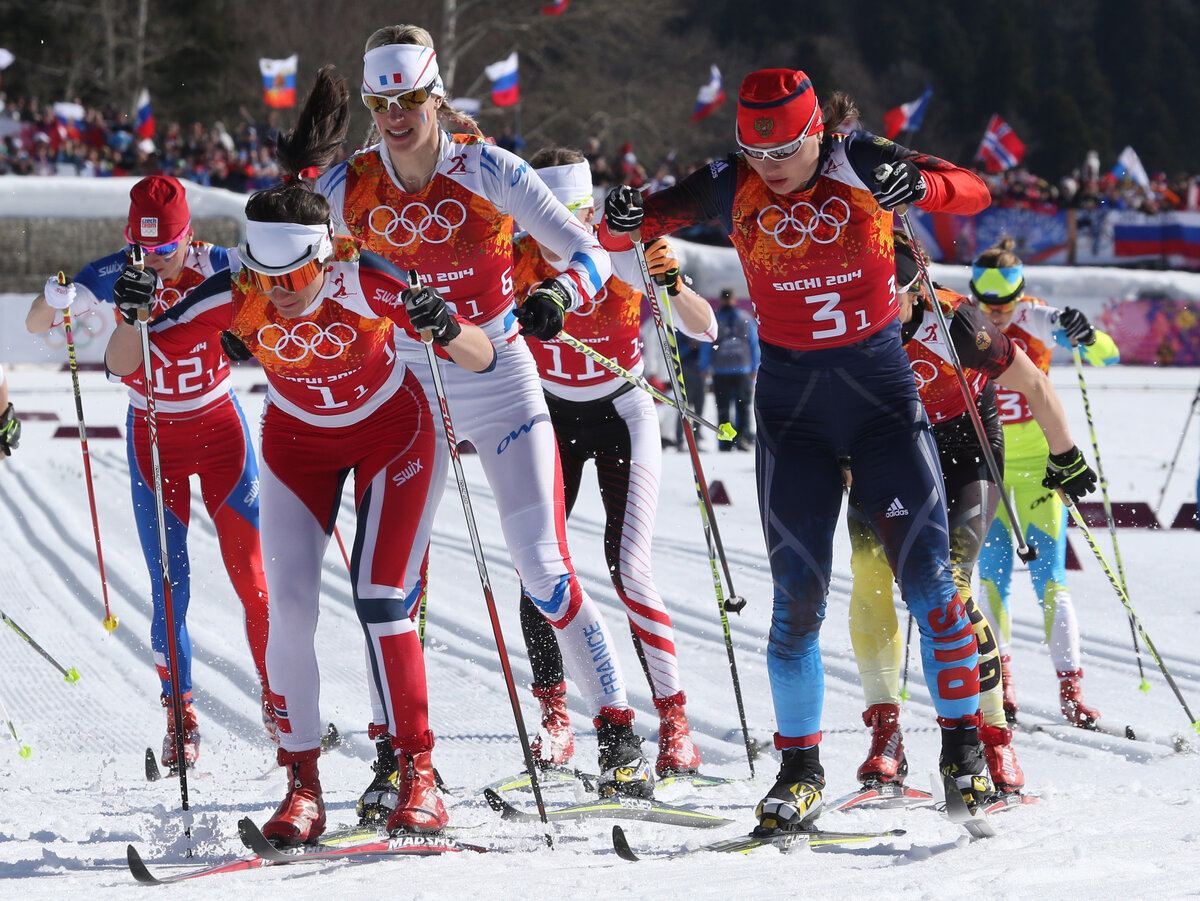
pixel 733 362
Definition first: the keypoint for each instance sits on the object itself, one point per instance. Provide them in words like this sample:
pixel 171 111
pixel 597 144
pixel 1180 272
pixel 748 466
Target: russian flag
pixel 710 96
pixel 279 81
pixel 1130 164
pixel 143 119
pixel 907 116
pixel 557 8
pixel 503 75
pixel 1000 148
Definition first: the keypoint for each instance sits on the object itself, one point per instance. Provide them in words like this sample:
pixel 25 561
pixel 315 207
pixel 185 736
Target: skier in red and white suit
pixel 319 318
pixel 446 207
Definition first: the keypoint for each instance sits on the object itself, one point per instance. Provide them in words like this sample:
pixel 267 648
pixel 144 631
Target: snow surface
pixel 1116 818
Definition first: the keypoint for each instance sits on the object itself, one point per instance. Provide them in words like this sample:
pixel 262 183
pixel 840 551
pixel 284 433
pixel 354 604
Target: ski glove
pixel 1077 327
pixel 541 316
pixel 1070 472
pixel 664 266
pixel 237 351
pixel 59 291
pixel 898 184
pixel 10 431
pixel 427 311
pixel 134 291
pixel 623 209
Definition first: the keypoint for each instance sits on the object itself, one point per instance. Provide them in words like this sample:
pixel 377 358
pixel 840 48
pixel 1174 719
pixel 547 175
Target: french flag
pixel 710 96
pixel 143 119
pixel 503 75
pixel 907 116
pixel 557 8
pixel 1000 148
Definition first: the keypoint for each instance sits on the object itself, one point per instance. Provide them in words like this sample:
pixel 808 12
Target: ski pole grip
pixel 414 284
pixel 137 259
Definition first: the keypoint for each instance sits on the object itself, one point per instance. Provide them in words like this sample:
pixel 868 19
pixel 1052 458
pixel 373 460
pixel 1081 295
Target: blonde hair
pixel 1000 255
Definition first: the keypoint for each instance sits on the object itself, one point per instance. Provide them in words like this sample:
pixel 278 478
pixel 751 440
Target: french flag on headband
pixel 279 81
pixel 1000 148
pixel 143 119
pixel 557 8
pixel 907 116
pixel 710 96
pixel 503 75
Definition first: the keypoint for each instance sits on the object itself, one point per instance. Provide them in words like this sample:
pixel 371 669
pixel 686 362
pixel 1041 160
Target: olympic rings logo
pixel 924 372
pixel 803 220
pixel 85 327
pixel 417 220
pixel 165 299
pixel 291 345
pixel 588 307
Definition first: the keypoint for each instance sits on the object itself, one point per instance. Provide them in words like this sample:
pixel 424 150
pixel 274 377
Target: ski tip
pixel 138 867
pixel 495 802
pixel 621 844
pixel 153 773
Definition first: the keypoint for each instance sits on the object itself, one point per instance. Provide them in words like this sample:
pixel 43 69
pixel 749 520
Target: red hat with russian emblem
pixel 775 106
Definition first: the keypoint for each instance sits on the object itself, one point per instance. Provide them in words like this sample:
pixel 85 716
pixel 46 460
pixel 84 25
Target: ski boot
pixel 1010 691
pixel 419 807
pixel 624 769
pixel 191 737
pixel 300 818
pixel 1070 699
pixel 554 744
pixel 962 760
pixel 794 801
pixel 677 753
pixel 1001 758
pixel 375 805
pixel 885 760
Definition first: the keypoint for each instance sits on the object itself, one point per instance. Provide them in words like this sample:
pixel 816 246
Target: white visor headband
pixel 571 184
pixel 401 67
pixel 274 248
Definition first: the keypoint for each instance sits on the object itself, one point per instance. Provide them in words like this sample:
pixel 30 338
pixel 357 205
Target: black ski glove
pixel 10 431
pixel 1077 327
pixel 898 183
pixel 623 209
pixel 1070 472
pixel 237 351
pixel 427 311
pixel 541 316
pixel 134 291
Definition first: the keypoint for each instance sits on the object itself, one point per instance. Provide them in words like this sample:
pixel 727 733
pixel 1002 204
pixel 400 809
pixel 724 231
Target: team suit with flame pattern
pixel 600 416
pixel 834 383
pixel 457 232
pixel 339 402
pixel 972 496
pixel 201 431
pixel 1035 328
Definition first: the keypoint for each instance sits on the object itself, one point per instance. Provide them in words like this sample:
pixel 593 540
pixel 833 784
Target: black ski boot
pixel 376 804
pixel 794 801
pixel 624 769
pixel 963 764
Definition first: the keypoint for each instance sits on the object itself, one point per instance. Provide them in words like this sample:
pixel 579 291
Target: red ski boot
pixel 191 736
pixel 885 761
pixel 1010 691
pixel 1001 759
pixel 554 744
pixel 419 808
pixel 1070 698
pixel 301 817
pixel 677 753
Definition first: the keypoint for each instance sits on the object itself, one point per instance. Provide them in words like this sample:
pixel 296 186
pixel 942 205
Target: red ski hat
pixel 775 106
pixel 158 211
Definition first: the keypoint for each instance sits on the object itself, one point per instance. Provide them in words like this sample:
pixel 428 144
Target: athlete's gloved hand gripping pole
pixel 884 176
pixel 134 303
pixel 624 212
pixel 428 314
pixel 66 293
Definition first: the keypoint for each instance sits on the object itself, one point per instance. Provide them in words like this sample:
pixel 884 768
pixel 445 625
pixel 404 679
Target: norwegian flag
pixel 1000 148
pixel 907 116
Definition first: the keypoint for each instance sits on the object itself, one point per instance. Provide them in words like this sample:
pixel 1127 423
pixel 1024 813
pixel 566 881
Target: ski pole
pixel 342 547
pixel 725 431
pixel 904 695
pixel 1178 447
pixel 1144 685
pixel 1025 550
pixel 1124 598
pixel 110 621
pixel 414 284
pixel 69 675
pixel 164 563
pixel 708 520
pixel 25 751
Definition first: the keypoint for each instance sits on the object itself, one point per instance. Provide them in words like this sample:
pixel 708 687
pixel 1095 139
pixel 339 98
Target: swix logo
pixel 895 508
pixel 252 494
pixel 517 433
pixel 111 270
pixel 460 165
pixel 387 297
pixel 407 473
pixel 340 281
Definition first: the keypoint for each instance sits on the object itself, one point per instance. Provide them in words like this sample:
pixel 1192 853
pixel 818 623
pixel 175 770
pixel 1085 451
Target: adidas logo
pixel 895 509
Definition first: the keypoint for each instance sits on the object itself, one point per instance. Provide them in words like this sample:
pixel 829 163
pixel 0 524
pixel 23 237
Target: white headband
pixel 571 184
pixel 403 67
pixel 274 248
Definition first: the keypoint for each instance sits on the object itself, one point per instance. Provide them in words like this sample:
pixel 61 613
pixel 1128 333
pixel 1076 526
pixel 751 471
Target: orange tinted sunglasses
pixel 296 280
